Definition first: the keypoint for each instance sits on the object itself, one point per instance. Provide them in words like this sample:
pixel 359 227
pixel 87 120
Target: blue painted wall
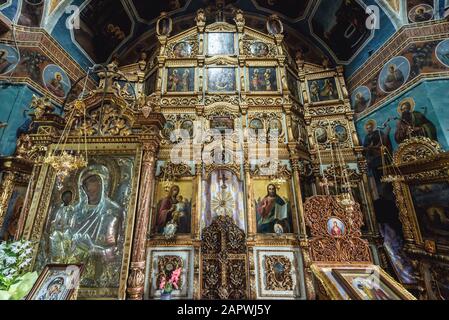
pixel 14 108
pixel 429 101
pixel 10 10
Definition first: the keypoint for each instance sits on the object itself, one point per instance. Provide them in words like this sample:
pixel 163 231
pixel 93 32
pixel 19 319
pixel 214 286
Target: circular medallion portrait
pixel 256 124
pixel 442 52
pixel 341 133
pixel 421 13
pixel 274 25
pixel 259 49
pixel 275 126
pixel 335 227
pixel 361 98
pixel 182 50
pixel 56 80
pixel 321 135
pixel 8 58
pixel 394 74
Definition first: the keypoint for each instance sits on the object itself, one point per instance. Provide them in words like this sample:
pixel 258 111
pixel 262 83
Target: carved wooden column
pixel 251 216
pixel 299 202
pixel 136 278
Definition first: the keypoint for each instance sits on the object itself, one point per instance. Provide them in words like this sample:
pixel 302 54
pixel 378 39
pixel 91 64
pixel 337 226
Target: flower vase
pixel 166 296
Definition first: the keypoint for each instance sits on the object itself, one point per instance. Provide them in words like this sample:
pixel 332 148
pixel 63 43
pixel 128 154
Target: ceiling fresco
pixel 105 24
pixel 336 28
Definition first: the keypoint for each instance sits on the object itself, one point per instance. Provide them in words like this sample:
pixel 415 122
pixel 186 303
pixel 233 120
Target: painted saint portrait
pixel 275 127
pixel 56 283
pixel 180 79
pixel 369 289
pixel 56 80
pixel 259 49
pixel 341 133
pixel 413 123
pixel 432 210
pixel 182 50
pixel 221 79
pixel 368 284
pixel 87 220
pixel 220 43
pixel 323 90
pixel 336 227
pixel 8 58
pixel 361 98
pixel 273 211
pixel 10 225
pixel 442 52
pixel 262 79
pixel 421 13
pixel 274 25
pixel 394 74
pixel 256 124
pixel 373 142
pixel 321 135
pixel 174 207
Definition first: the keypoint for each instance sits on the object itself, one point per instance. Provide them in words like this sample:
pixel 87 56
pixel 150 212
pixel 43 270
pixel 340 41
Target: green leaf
pixel 21 289
pixel 4 295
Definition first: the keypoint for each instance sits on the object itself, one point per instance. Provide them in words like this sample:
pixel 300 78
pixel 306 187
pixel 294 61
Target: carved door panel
pixel 224 261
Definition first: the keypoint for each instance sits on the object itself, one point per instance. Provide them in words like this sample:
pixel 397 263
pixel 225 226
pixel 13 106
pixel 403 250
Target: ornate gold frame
pixel 38 211
pixel 331 290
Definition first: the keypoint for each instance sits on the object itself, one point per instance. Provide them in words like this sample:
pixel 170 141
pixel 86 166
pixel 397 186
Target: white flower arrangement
pixel 15 259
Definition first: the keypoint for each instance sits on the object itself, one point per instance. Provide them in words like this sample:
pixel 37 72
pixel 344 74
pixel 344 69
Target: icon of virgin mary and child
pixel 90 230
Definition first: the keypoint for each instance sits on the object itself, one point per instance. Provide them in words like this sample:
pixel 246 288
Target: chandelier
pixel 66 161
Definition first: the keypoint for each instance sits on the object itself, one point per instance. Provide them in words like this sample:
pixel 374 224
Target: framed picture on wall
pixel 369 284
pixel 100 201
pixel 221 79
pixel 57 282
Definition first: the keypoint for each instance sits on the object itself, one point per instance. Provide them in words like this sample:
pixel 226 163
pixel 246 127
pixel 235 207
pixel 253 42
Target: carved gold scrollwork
pixel 416 148
pixel 224 261
pixel 166 265
pixel 278 273
pixel 348 245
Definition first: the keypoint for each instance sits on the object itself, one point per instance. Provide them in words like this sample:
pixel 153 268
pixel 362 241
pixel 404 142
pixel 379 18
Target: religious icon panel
pixel 221 79
pixel 322 90
pixel 56 80
pixel 180 79
pixel 394 74
pixel 273 208
pixel 262 79
pixel 432 210
pixel 220 43
pixel 173 208
pixel 87 221
pixel 57 282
